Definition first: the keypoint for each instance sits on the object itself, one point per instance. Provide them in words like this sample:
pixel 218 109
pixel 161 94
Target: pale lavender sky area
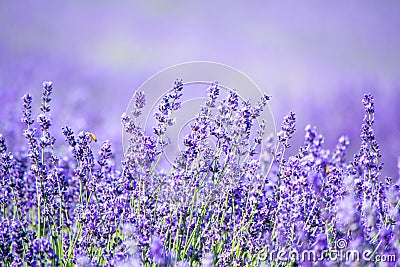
pixel 316 58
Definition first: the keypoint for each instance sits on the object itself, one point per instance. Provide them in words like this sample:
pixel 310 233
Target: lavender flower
pixel 27 117
pixel 288 129
pixel 47 90
pixel 215 207
pixel 168 104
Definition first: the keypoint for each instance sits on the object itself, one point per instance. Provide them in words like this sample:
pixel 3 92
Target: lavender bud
pixel 3 146
pixel 47 90
pixel 27 112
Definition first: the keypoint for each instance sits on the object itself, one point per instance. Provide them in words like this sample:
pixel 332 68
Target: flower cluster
pixel 218 205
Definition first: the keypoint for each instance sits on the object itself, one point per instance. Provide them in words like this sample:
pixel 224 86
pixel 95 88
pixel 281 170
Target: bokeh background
pixel 316 58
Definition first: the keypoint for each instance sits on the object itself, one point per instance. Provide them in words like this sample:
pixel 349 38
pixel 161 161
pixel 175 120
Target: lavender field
pixel 317 185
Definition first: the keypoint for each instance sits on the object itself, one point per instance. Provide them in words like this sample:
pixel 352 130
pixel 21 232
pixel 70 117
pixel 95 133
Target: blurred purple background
pixel 316 59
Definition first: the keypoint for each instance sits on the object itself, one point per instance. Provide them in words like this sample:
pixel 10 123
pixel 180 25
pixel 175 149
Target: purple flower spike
pixel 287 129
pixel 27 113
pixel 47 90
